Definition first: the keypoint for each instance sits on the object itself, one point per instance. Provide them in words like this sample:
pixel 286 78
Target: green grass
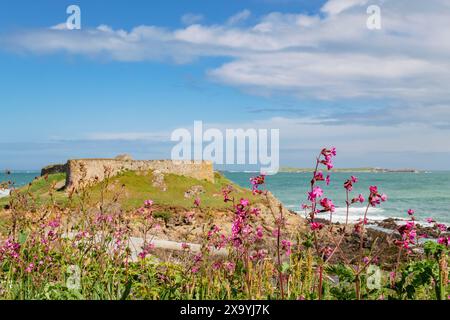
pixel 40 188
pixel 138 187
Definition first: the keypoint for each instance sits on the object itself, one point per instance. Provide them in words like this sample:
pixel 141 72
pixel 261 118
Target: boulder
pixel 194 191
pixel 158 180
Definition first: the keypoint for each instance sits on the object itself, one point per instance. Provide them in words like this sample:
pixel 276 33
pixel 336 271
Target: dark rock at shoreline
pixel 54 168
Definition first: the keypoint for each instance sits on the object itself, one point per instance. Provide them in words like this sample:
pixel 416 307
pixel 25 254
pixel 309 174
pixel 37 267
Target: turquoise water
pixel 427 193
pixel 19 178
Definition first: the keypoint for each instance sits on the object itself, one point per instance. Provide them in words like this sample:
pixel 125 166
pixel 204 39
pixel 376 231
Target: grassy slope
pixel 138 187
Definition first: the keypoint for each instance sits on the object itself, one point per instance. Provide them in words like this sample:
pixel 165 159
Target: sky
pixel 137 70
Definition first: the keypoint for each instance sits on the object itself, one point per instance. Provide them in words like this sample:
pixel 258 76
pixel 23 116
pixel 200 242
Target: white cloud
pixel 239 17
pixel 59 26
pixel 191 18
pixel 308 56
pixel 129 136
pixel 333 7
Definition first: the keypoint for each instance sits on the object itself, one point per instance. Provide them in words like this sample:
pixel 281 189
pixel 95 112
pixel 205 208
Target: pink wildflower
pixel 360 199
pixel 146 248
pixel 327 205
pixel 30 268
pixel 316 193
pixel 374 200
pixel 230 266
pixel 348 185
pixel 373 189
pixel 54 223
pixel 255 211
pixel 444 240
pixel 256 182
pixel 316 226
pixel 148 203
pixel 319 176
pixel 411 212
pixel 259 232
pixel 244 202
pixel 258 255
pixel 286 246
pixel 217 265
pixel 195 269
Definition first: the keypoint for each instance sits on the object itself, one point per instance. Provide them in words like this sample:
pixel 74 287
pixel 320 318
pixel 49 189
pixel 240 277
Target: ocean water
pixel 428 193
pixel 18 178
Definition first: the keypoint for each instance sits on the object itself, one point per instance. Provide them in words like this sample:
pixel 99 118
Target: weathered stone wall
pixel 94 169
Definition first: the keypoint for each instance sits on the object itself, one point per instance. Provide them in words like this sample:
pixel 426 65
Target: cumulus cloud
pixel 191 18
pixel 330 55
pixel 333 7
pixel 239 17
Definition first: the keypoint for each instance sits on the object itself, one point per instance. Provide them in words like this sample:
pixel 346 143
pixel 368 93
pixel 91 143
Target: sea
pixel 428 193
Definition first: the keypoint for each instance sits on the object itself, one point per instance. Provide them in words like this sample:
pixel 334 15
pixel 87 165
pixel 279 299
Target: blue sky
pixel 139 69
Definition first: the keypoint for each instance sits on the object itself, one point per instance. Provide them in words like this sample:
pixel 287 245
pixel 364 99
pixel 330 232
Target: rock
pixel 60 185
pixel 124 157
pixel 194 191
pixel 54 168
pixel 158 180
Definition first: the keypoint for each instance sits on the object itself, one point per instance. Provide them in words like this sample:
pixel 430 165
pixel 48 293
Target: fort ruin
pixel 89 170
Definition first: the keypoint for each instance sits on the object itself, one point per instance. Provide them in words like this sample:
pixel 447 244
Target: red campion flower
pixel 316 226
pixel 328 205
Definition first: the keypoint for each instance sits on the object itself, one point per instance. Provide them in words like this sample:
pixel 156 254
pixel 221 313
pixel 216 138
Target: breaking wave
pixel 4 193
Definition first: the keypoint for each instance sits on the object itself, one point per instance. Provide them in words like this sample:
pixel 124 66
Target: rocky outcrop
pixel 194 191
pixel 54 168
pixel 96 170
pixel 158 180
pixel 124 157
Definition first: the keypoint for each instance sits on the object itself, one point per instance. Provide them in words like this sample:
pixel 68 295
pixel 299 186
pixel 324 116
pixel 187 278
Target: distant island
pixel 369 170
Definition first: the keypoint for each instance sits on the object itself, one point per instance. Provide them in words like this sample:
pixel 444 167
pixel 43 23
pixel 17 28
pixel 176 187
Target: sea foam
pixel 4 193
pixel 354 214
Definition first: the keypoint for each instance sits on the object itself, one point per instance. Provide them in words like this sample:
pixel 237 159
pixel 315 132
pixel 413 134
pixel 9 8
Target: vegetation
pixel 135 188
pixel 80 245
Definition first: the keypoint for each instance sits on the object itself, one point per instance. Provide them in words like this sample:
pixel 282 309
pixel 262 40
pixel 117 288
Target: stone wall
pixel 94 169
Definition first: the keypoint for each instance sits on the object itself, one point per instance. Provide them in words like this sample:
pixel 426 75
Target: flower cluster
pixel 257 182
pixel 328 205
pixel 146 249
pixel 375 197
pixel 226 193
pixel 348 185
pixel 10 249
pixel 408 233
pixel 318 176
pixel 216 239
pixel 359 198
pixel 242 230
pixel 328 155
